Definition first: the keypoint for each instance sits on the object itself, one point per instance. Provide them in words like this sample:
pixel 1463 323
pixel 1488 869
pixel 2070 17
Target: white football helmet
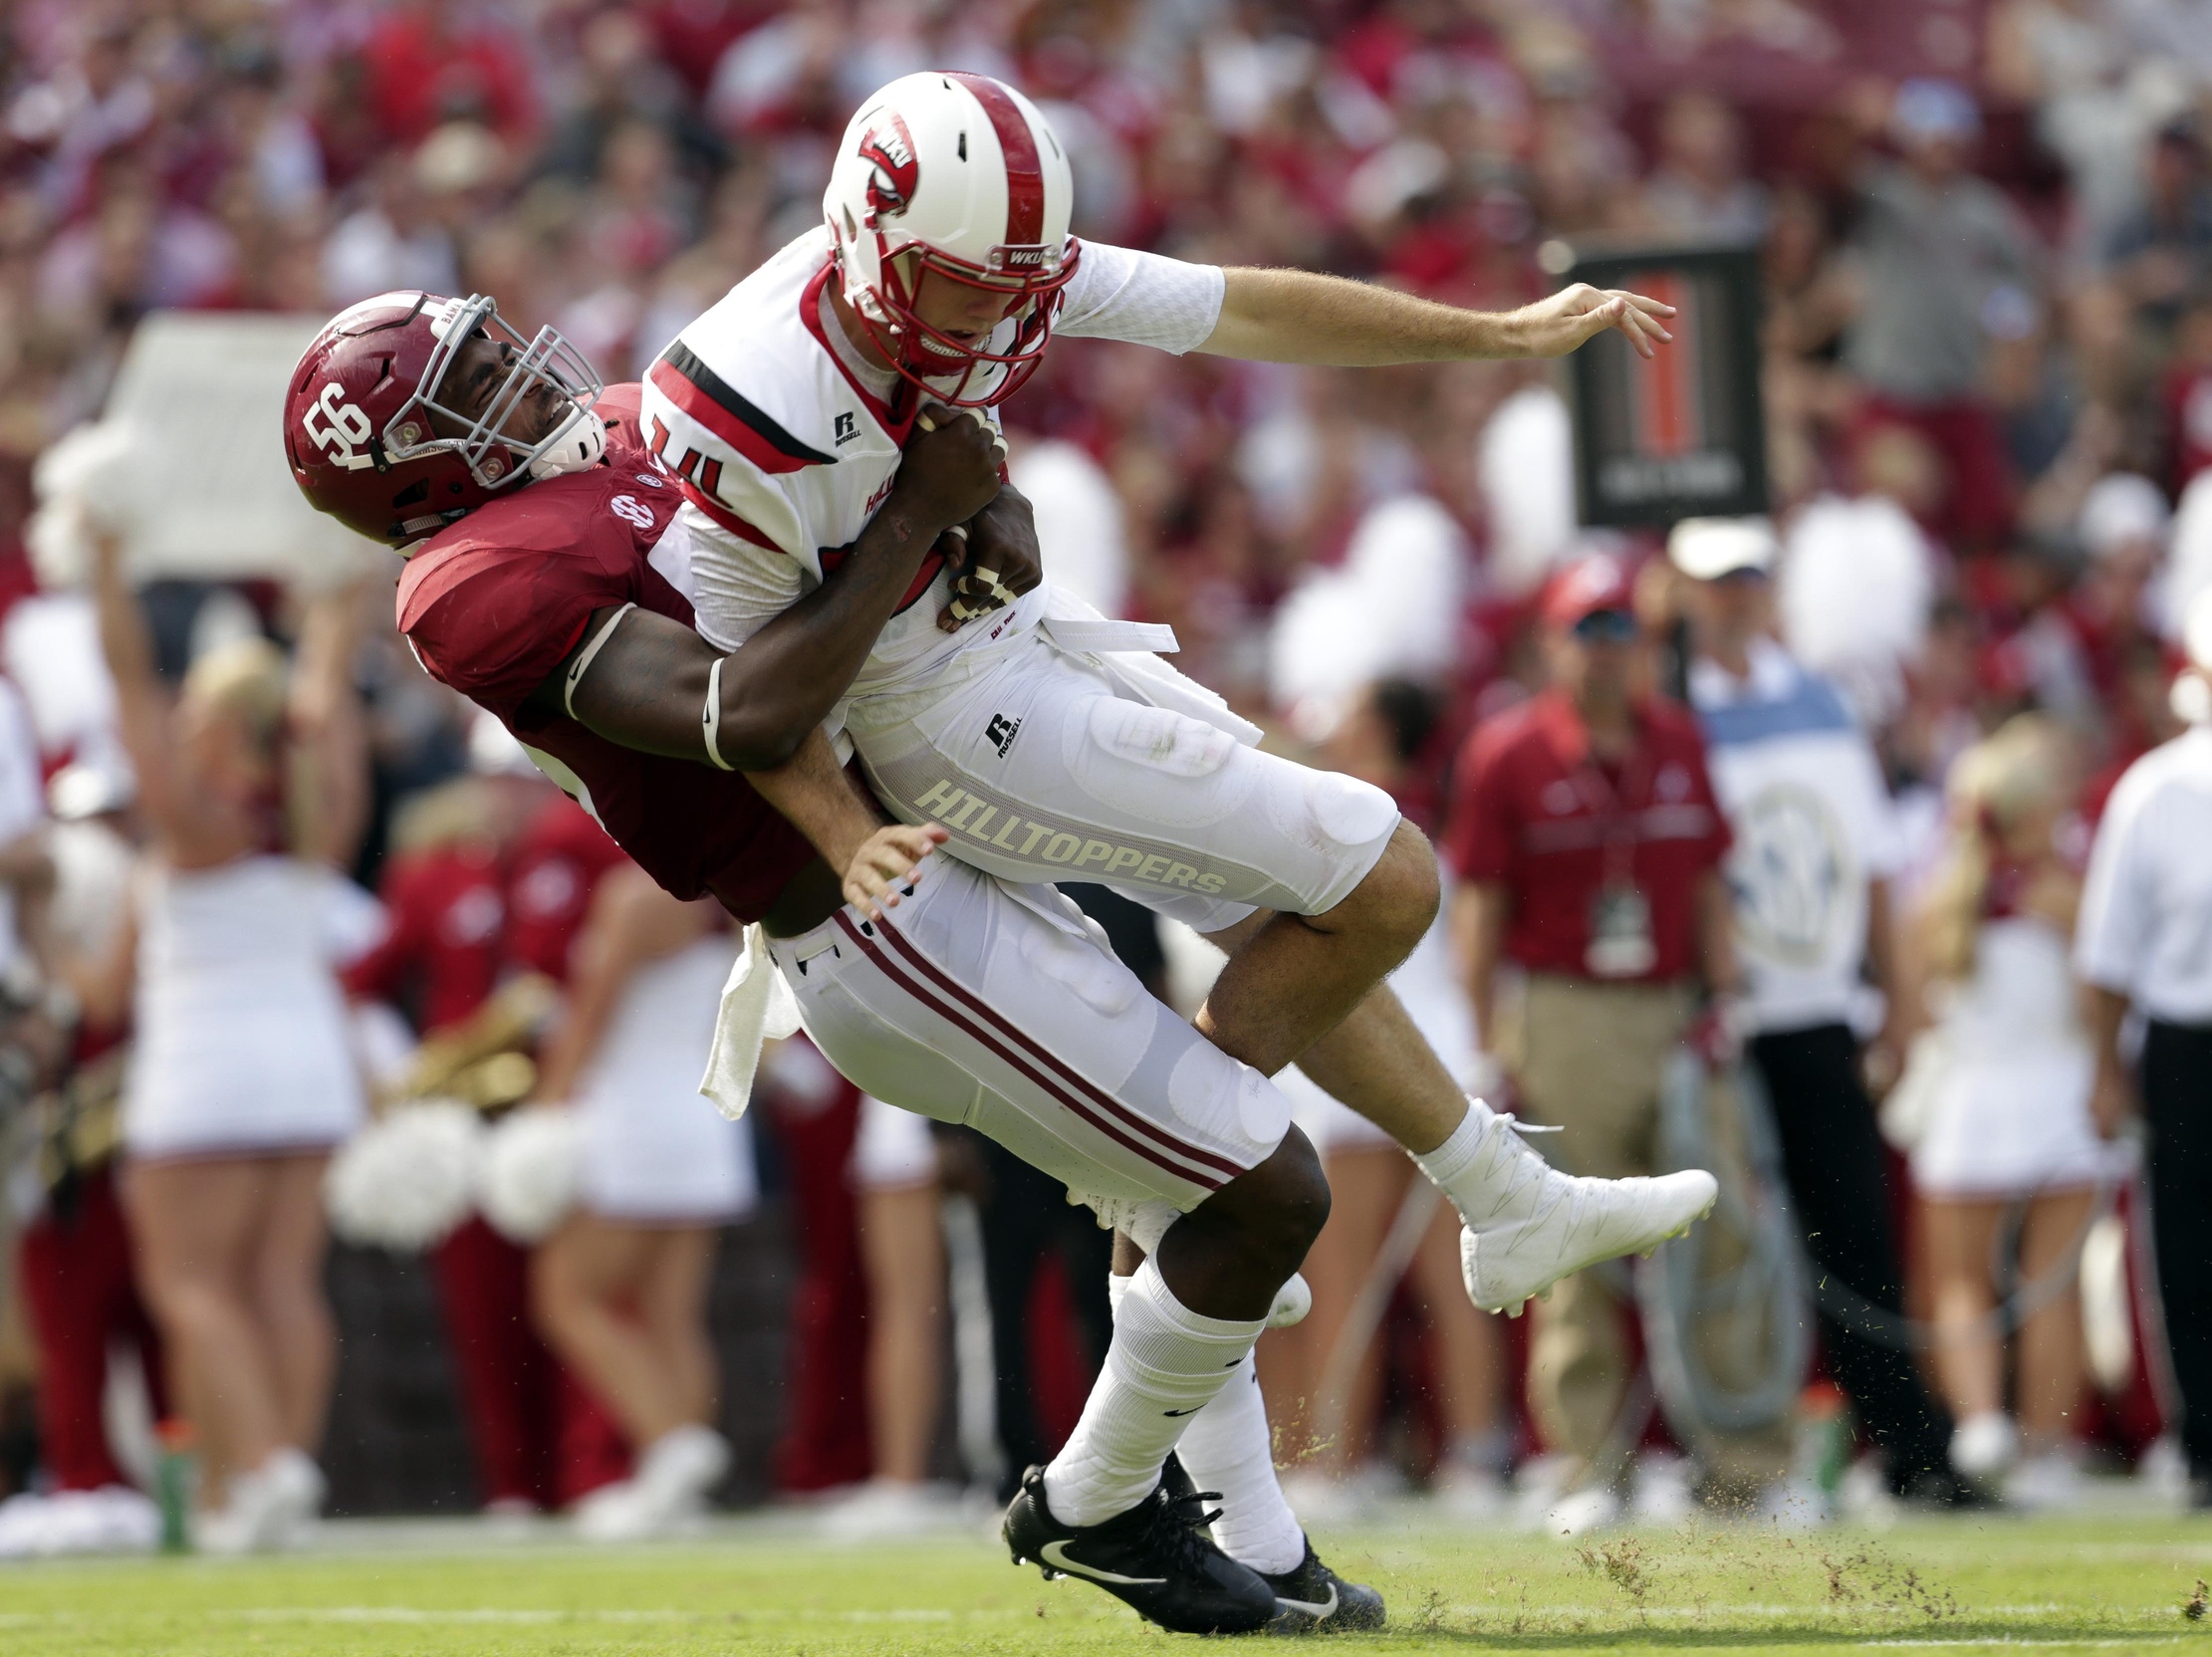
pixel 960 176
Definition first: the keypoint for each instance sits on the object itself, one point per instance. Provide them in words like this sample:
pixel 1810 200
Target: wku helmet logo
pixel 887 144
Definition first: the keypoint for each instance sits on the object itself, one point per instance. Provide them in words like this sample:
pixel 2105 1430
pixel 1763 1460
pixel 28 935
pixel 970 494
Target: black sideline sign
pixel 1682 435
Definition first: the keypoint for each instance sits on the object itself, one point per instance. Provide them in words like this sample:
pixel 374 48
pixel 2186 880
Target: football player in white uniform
pixel 1055 745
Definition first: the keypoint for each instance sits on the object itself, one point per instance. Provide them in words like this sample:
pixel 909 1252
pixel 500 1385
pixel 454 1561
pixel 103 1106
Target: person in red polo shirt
pixel 1589 841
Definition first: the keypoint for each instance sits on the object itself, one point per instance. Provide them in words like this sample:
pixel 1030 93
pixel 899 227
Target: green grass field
pixel 2117 1584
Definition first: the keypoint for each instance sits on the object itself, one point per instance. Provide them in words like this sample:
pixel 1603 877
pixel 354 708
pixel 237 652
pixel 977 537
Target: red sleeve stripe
pixel 1025 179
pixel 709 399
pixel 723 516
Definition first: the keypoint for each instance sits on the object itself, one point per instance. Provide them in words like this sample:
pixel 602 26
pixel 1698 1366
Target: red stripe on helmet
pixel 1025 179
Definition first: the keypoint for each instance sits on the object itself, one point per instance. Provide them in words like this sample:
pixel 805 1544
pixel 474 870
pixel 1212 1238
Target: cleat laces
pixel 1180 1528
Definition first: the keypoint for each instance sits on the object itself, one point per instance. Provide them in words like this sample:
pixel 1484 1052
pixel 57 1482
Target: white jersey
pixel 787 441
pixel 1812 825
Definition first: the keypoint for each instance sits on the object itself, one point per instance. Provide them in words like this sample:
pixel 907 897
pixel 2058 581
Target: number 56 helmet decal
pixel 958 177
pixel 375 428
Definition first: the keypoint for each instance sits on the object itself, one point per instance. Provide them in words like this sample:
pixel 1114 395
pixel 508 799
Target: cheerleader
pixel 253 788
pixel 2007 1137
pixel 620 1291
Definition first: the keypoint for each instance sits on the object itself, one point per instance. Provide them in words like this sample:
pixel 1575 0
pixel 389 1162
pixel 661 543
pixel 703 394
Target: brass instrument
pixel 484 1061
pixel 79 1123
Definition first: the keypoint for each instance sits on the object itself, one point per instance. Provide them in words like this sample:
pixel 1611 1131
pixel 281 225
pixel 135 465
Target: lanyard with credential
pixel 1621 944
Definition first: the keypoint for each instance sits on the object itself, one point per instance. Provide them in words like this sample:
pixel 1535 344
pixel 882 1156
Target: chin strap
pixel 580 447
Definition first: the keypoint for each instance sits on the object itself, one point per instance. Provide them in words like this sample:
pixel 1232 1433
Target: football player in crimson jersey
pixel 557 605
pixel 554 598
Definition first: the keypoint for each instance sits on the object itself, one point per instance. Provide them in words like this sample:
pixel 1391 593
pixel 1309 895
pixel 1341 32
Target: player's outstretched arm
pixel 1280 315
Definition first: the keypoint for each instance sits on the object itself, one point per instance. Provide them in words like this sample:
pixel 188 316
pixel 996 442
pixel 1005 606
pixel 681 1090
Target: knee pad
pixel 1226 1099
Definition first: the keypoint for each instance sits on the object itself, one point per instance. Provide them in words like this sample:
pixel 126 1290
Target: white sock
pixel 1164 1365
pixel 1467 1168
pixel 1229 1448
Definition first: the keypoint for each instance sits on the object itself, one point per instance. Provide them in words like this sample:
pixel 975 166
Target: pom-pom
pixel 1856 584
pixel 406 1180
pixel 1526 464
pixel 533 1165
pixel 1393 609
pixel 88 479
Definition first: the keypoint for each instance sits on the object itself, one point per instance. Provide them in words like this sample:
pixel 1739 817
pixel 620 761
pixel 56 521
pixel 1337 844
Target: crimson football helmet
pixel 958 176
pixel 357 420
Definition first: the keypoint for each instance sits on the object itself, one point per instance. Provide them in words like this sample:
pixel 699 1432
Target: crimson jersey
pixel 445 909
pixel 555 868
pixel 494 603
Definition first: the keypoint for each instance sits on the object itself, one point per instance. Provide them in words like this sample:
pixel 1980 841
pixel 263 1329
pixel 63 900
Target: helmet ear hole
pixel 419 490
pixel 850 229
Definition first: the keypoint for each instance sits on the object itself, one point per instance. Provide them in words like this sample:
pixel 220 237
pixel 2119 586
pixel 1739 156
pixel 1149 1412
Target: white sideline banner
pixel 187 461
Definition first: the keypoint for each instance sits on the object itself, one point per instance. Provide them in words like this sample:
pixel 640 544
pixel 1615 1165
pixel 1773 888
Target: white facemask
pixel 582 445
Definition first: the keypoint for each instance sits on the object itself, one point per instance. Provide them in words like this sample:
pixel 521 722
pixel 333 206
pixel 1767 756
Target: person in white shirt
pixel 2144 945
pixel 2008 1141
pixel 253 786
pixel 1810 879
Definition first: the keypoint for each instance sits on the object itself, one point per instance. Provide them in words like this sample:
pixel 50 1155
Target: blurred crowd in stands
pixel 1985 233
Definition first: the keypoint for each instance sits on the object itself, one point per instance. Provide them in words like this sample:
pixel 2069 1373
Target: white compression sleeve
pixel 1147 299
pixel 1229 1448
pixel 1166 1363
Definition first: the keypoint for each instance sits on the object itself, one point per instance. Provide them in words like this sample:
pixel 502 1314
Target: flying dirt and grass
pixel 2110 1585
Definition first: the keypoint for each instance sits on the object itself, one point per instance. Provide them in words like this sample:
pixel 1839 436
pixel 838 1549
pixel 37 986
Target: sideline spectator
pixel 2007 1120
pixel 1589 841
pixel 903 1254
pixel 1945 269
pixel 2145 944
pixel 619 1290
pixel 74 1261
pixel 253 786
pixel 1380 739
pixel 447 942
pixel 1809 875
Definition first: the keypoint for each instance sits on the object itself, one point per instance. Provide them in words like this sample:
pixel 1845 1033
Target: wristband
pixel 712 719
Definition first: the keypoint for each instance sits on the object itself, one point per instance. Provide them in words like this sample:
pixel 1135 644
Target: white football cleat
pixel 1541 1225
pixel 1579 1512
pixel 271 1506
pixel 1985 1446
pixel 666 1493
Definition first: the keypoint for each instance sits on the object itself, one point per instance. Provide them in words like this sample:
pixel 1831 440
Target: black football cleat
pixel 1313 1599
pixel 1155 1558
